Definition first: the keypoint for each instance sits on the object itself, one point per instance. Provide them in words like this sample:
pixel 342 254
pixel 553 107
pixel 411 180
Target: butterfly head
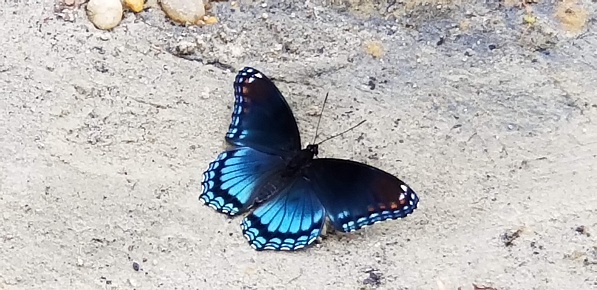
pixel 313 148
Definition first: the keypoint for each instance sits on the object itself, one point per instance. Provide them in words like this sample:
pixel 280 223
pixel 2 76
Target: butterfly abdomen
pixel 269 189
pixel 284 178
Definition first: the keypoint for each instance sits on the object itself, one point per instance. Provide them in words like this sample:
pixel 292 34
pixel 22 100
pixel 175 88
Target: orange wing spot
pixel 245 90
pixel 382 206
pixel 245 110
pixel 394 205
pixel 371 208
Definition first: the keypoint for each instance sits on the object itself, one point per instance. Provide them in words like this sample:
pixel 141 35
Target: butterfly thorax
pixel 300 160
pixel 294 167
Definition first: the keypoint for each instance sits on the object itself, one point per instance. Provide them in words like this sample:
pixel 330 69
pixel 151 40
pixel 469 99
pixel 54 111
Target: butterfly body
pixel 301 159
pixel 291 191
pixel 293 168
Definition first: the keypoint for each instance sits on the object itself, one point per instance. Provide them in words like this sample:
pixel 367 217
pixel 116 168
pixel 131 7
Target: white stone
pixel 104 14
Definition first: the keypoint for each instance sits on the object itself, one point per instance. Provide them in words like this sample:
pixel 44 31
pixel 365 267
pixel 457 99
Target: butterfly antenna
pixel 339 134
pixel 320 115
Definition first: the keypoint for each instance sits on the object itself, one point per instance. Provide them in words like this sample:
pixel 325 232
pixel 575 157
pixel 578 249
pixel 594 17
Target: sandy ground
pixel 105 136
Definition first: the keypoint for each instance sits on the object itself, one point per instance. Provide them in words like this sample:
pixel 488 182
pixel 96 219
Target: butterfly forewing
pixel 261 118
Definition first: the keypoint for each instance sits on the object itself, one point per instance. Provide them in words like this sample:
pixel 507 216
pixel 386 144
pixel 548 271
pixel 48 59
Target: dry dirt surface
pixel 486 109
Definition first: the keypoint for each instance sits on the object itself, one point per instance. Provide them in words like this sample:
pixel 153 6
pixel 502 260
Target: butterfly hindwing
pixel 261 118
pixel 290 221
pixel 356 195
pixel 231 183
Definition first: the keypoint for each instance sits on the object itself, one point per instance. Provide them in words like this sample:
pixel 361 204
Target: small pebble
pixel 184 11
pixel 313 111
pixel 135 5
pixel 209 20
pixel 132 282
pixel 104 14
pixel 185 48
pixel 67 15
pixel 136 266
pixel 205 93
pixel 104 36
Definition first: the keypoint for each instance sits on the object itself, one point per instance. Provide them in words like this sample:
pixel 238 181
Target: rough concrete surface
pixel 105 135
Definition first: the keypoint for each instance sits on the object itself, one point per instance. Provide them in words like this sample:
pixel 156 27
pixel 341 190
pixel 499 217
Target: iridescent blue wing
pixel 290 221
pixel 356 195
pixel 261 118
pixel 235 180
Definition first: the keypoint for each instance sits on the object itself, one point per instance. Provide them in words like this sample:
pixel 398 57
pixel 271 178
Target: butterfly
pixel 288 191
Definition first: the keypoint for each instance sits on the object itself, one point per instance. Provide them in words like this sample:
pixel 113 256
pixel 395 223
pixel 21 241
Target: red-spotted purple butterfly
pixel 292 191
